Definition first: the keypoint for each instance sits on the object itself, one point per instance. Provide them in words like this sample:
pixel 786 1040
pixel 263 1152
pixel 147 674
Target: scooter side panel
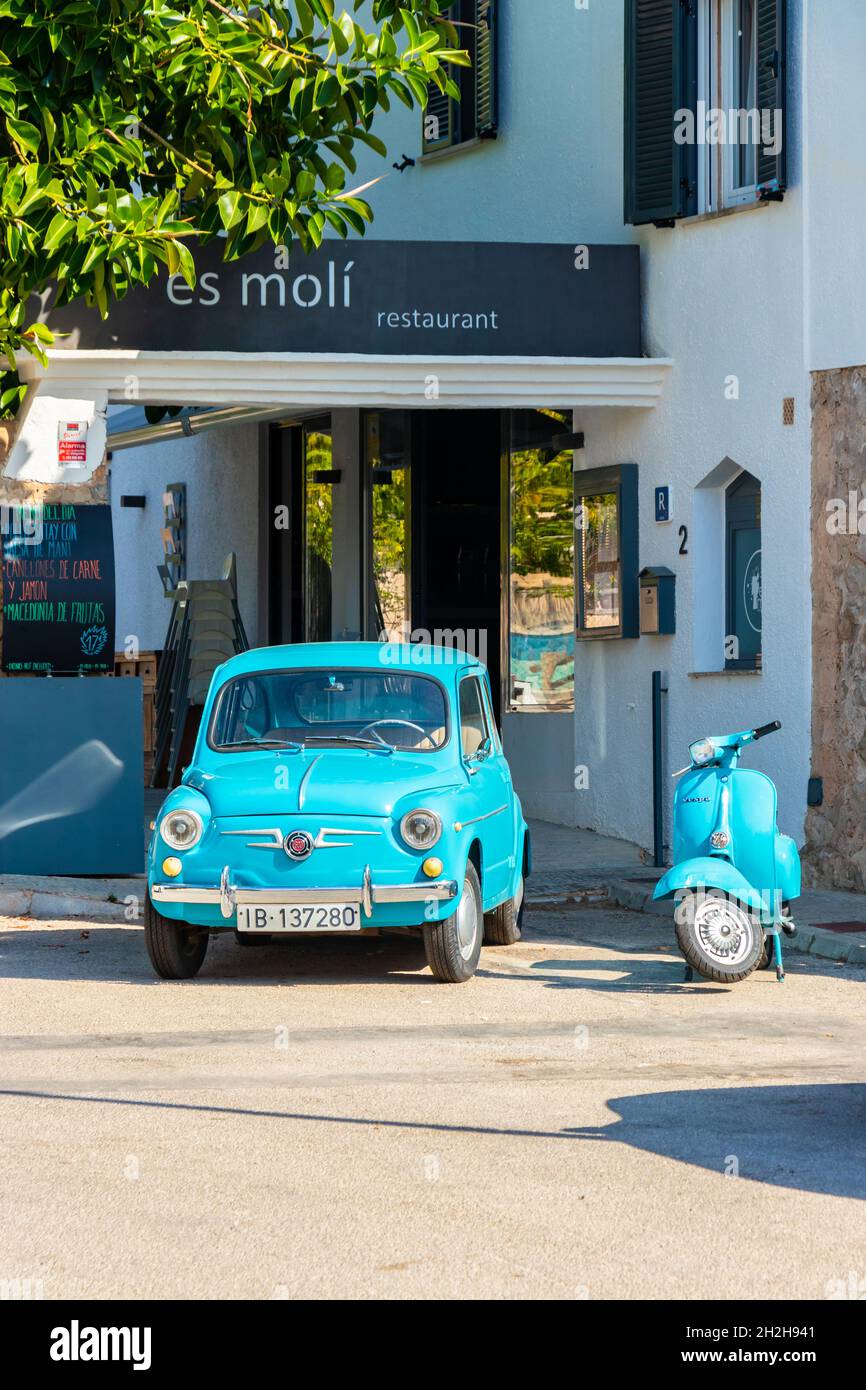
pixel 753 830
pixel 696 813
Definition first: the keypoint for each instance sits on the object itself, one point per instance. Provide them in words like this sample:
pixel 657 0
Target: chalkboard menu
pixel 58 588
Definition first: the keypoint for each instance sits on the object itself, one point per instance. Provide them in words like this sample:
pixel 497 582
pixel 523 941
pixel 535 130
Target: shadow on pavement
pixel 811 1138
pixel 805 1138
pixel 118 954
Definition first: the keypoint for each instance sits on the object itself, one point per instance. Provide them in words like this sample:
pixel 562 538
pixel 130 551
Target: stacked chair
pixel 204 630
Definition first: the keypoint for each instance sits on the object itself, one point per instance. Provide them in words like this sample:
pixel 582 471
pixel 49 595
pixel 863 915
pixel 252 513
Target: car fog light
pixel 720 839
pixel 432 867
pixel 171 866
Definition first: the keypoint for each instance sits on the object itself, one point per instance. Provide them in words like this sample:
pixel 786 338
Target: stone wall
pixel 835 855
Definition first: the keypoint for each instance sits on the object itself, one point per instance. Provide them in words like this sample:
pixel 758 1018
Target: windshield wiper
pixel 263 743
pixel 376 745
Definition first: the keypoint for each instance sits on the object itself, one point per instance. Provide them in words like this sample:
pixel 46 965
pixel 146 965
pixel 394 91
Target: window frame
pixel 621 479
pixel 471 676
pixel 717 191
pixel 509 705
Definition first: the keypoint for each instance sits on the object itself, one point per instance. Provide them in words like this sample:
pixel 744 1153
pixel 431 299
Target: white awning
pixel 294 381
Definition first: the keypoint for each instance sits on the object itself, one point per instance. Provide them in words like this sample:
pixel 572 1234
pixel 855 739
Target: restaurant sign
pixel 380 297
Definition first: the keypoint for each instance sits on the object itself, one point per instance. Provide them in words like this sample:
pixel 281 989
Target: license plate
pixel 297 917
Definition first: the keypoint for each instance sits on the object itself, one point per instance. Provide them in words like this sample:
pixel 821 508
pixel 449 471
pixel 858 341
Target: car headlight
pixel 181 829
pixel 421 829
pixel 702 752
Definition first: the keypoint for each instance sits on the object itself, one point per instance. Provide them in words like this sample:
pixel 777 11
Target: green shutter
pixel 772 94
pixel 661 64
pixel 440 119
pixel 485 69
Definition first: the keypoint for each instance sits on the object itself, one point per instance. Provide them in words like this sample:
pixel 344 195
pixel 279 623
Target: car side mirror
pixel 481 754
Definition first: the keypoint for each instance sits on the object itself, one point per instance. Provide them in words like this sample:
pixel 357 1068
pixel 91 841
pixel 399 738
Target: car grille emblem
pixel 298 844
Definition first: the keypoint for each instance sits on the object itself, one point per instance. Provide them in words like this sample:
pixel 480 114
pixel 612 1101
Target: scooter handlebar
pixel 767 729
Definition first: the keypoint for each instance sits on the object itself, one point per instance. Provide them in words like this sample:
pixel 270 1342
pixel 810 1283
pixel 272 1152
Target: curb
pixel 568 898
pixel 809 941
pixel 39 906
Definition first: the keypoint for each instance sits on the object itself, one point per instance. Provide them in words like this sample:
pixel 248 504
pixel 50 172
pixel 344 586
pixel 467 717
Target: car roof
pixel 420 658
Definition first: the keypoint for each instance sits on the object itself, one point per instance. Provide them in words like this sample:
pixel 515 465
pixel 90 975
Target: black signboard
pixel 58 588
pixel 463 299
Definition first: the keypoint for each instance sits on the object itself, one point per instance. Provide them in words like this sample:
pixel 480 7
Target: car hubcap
pixel 725 931
pixel 467 922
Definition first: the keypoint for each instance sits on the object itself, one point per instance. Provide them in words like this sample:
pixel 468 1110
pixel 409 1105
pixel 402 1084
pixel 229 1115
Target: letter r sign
pixel 663 504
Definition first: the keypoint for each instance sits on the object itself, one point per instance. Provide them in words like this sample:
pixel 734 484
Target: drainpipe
pixel 659 689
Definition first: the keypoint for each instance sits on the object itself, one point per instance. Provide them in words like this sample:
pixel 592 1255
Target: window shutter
pixel 772 94
pixel 661 72
pixel 485 69
pixel 440 118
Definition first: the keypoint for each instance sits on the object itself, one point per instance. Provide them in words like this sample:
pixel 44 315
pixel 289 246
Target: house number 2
pixel 684 540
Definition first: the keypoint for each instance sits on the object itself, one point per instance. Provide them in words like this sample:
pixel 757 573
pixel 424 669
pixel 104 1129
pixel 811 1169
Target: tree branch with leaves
pixel 130 130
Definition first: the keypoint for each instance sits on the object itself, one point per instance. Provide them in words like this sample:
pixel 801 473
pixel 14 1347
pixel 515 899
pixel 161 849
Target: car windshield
pixel 384 710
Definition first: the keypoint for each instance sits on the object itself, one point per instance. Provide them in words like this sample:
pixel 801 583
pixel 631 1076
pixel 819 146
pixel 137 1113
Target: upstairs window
pixel 705 106
pixel 446 121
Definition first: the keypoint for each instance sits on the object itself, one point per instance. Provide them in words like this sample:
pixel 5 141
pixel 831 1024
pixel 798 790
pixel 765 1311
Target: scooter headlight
pixel 702 752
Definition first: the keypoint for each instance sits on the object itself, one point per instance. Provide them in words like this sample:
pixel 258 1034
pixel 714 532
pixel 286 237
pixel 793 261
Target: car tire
pixel 502 925
pixel 176 951
pixel 453 947
pixel 718 936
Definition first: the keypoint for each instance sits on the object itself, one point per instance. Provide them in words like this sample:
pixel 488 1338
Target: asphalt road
pixel 322 1119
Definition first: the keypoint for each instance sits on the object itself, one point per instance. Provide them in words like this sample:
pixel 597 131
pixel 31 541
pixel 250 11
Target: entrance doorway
pixel 412 509
pixel 457 574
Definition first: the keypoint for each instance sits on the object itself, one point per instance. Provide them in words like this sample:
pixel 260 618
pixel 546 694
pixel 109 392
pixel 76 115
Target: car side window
pixel 496 737
pixel 473 721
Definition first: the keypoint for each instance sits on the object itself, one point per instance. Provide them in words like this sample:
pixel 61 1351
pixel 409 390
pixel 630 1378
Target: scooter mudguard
pixel 710 873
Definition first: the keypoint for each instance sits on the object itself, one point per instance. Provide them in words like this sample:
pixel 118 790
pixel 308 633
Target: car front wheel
pixel 176 951
pixel 454 946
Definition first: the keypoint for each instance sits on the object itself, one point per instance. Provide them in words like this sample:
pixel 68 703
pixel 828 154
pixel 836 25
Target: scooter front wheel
pixel 718 936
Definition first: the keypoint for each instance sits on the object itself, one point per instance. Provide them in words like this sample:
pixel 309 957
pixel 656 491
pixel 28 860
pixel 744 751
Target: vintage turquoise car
pixel 341 787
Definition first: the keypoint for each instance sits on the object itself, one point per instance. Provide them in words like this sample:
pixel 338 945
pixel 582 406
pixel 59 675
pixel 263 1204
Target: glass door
pixel 319 479
pixel 388 484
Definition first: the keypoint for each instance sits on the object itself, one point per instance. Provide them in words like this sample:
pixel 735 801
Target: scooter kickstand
pixel 689 975
pixel 777 950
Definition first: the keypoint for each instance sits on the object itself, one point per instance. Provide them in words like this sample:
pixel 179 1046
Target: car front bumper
pixel 228 896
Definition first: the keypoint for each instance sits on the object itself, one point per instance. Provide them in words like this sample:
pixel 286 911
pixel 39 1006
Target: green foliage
pixel 542 513
pixel 131 128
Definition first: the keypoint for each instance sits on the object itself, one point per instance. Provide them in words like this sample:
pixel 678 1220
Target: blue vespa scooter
pixel 734 874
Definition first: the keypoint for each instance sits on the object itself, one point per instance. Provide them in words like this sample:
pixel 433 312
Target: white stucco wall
pixel 220 472
pixel 722 297
pixel 835 170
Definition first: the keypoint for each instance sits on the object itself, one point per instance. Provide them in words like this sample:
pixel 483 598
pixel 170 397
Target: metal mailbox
pixel 657 601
